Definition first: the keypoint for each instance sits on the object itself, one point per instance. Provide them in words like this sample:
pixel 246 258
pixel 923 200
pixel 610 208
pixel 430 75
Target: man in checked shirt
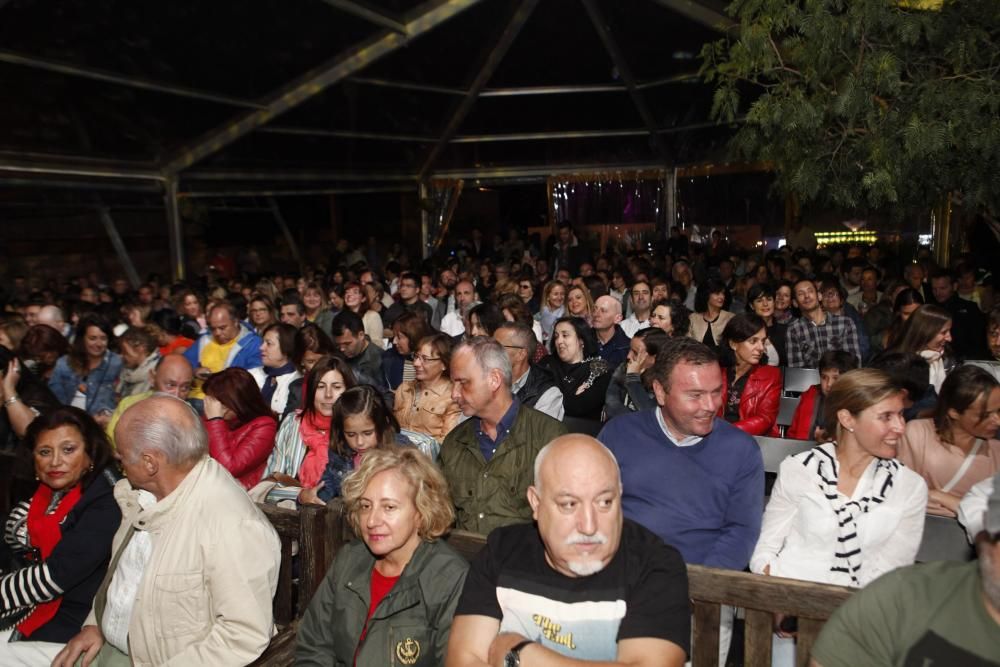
pixel 817 331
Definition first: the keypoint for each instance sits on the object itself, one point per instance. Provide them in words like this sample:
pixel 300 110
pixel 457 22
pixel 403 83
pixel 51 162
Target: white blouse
pixel 799 536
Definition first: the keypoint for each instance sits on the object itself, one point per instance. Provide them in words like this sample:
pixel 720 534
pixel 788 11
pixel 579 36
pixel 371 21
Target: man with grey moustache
pixel 581 585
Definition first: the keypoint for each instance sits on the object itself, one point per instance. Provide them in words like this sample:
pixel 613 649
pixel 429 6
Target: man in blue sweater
pixel 688 476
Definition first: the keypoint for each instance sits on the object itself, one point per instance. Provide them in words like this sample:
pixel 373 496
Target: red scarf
pixel 314 430
pixel 45 531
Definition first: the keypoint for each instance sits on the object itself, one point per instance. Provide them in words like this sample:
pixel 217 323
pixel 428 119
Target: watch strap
pixel 514 654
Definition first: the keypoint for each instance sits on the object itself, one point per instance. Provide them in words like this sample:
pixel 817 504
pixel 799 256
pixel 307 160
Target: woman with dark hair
pixel 240 425
pixel 24 396
pixel 958 447
pixel 262 313
pixel 784 307
pixel 845 512
pixel 301 448
pixel 356 301
pixel 581 375
pixel 927 332
pixel 85 377
pixel 191 307
pixel 627 390
pixel 751 394
pixel 279 371
pixel 673 319
pixel 425 405
pixel 140 354
pixel 41 348
pixel 710 317
pixel 397 362
pixel 905 303
pixel 60 540
pixel 993 334
pixel 166 326
pixel 760 301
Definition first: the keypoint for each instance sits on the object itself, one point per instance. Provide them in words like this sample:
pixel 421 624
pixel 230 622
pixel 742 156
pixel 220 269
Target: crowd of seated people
pixel 421 393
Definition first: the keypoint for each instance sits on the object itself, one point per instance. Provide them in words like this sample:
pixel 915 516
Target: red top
pixel 759 402
pixel 379 588
pixel 242 451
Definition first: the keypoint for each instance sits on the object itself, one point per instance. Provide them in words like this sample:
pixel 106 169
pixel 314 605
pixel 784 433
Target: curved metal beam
pixel 427 17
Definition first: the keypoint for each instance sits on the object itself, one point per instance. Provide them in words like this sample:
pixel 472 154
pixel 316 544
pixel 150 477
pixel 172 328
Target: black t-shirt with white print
pixel 642 592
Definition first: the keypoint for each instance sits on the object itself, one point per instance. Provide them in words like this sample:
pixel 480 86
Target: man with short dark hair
pixel 486 459
pixel 350 338
pixel 293 311
pixel 445 295
pixel 689 476
pixel 532 385
pixel 869 295
pixel 968 322
pixel 641 295
pixel 817 331
pixel 568 254
pixel 581 585
pixel 409 301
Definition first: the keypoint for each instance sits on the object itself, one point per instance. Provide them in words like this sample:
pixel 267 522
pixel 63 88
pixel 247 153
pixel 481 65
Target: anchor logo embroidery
pixel 408 651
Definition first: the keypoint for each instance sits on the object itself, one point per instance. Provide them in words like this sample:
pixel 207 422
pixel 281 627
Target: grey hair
pixel 489 355
pixel 523 336
pixel 544 451
pixel 182 441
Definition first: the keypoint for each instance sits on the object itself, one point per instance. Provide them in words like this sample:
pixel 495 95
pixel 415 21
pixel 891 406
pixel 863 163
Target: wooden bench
pixel 319 533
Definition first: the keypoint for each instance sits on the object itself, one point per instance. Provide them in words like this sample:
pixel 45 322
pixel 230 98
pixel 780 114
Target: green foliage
pixel 865 103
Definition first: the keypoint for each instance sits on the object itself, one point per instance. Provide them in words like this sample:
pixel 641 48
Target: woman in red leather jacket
pixel 751 393
pixel 240 425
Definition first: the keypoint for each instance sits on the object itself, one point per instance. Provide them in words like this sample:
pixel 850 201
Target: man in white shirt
pixel 194 563
pixel 641 304
pixel 465 295
pixel 533 386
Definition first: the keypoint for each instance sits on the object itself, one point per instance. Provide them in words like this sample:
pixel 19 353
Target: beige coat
pixel 205 596
pixel 699 326
pixel 426 411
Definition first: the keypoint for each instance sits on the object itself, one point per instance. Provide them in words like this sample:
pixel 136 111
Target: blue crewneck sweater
pixel 707 500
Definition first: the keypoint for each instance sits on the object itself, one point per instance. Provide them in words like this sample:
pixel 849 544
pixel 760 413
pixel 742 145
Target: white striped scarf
pixel 822 462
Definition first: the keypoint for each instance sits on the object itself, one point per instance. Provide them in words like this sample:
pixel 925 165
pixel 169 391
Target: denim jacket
pixel 100 383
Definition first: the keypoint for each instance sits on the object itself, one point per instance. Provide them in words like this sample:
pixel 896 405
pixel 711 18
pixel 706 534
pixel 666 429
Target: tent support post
pixel 174 229
pixel 119 245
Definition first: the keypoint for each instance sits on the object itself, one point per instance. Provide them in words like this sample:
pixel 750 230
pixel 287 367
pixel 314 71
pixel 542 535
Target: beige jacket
pixel 205 596
pixel 699 326
pixel 426 411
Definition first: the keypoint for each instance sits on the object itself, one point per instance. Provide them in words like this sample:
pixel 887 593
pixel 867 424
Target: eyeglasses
pixel 424 359
pixel 525 286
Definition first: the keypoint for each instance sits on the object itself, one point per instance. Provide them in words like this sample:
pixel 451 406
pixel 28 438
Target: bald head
pixel 173 375
pixel 52 316
pixel 607 313
pixel 575 452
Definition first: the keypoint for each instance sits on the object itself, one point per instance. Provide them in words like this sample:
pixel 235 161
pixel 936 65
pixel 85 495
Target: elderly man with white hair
pixel 194 563
pixel 582 585
pixel 53 317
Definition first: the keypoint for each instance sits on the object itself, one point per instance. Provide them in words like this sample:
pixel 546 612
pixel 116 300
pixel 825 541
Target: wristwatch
pixel 513 657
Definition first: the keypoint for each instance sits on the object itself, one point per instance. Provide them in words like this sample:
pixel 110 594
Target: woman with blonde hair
pixel 398 503
pixel 580 304
pixel 844 512
pixel 553 307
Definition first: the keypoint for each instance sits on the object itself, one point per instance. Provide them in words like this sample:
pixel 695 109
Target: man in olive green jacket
pixel 489 459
